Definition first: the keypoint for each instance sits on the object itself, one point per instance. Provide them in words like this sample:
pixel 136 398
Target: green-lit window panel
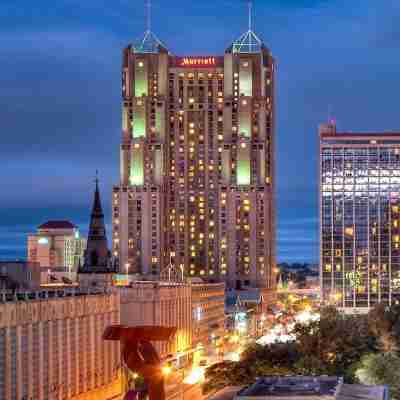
pixel 243 172
pixel 141 80
pixel 245 123
pixel 137 171
pixel 246 78
pixel 158 120
pixel 139 122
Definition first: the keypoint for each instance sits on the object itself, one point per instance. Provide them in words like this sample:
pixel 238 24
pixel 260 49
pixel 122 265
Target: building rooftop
pixel 296 386
pixel 360 392
pixel 61 224
pixel 10 296
pixel 345 135
pixel 329 131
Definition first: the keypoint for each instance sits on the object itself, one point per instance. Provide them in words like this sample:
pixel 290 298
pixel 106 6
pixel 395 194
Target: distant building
pixel 51 347
pixel 295 387
pixel 98 267
pixel 19 275
pixel 56 244
pixel 208 311
pixel 359 218
pixel 245 312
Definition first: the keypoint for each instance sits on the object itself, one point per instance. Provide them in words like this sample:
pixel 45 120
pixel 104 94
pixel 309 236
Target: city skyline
pixel 307 101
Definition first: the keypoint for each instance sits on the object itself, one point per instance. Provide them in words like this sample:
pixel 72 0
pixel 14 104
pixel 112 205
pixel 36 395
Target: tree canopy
pixel 336 345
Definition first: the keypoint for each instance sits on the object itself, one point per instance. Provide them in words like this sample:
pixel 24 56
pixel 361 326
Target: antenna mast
pixel 148 15
pixel 250 6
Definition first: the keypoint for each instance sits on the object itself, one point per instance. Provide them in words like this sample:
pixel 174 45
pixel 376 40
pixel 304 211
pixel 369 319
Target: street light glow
pixel 166 370
pixel 195 376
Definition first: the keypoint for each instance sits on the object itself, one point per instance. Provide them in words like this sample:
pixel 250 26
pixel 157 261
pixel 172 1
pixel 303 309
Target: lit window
pixel 328 267
pixel 349 231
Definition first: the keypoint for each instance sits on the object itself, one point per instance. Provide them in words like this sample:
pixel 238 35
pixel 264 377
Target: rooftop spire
pixel 97 256
pixel 97 210
pixel 150 42
pixel 250 6
pixel 249 42
pixel 148 10
pixel 97 179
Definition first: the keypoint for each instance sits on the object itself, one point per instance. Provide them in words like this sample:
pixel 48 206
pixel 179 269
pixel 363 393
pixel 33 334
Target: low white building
pixel 51 346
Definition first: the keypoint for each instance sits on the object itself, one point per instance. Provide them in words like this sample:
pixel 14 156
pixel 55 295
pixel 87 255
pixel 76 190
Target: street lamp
pixel 166 370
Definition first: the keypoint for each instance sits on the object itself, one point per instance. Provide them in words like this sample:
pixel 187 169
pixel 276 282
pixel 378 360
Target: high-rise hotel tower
pixel 197 163
pixel 359 217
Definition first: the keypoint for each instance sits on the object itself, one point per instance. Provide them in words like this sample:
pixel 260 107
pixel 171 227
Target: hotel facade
pixel 197 164
pixel 359 218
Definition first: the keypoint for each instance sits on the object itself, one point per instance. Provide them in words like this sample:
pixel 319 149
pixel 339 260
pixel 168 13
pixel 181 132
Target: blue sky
pixel 60 95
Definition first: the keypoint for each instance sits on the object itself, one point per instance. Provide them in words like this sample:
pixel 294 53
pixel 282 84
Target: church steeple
pixel 97 255
pixel 97 210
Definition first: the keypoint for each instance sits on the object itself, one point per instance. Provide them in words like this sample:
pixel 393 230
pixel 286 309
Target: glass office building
pixel 359 218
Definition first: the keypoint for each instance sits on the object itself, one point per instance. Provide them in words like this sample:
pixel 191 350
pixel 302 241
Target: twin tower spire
pixel 249 42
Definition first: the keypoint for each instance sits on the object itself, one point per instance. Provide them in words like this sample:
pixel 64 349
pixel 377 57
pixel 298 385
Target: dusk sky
pixel 60 88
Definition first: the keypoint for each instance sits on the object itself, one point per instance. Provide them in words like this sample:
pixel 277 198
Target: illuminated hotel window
pixel 328 267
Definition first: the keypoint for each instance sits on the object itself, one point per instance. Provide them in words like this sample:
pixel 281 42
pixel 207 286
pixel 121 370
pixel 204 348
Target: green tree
pixel 333 344
pixel 258 363
pixel 381 369
pixel 384 323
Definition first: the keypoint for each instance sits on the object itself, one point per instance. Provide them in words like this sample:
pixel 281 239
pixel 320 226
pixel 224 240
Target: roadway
pixel 193 392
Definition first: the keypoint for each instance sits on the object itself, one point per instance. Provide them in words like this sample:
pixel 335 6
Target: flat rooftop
pixel 9 296
pixel 296 386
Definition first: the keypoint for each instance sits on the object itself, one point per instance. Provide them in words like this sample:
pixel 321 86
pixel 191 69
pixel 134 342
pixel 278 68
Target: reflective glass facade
pixel 359 218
